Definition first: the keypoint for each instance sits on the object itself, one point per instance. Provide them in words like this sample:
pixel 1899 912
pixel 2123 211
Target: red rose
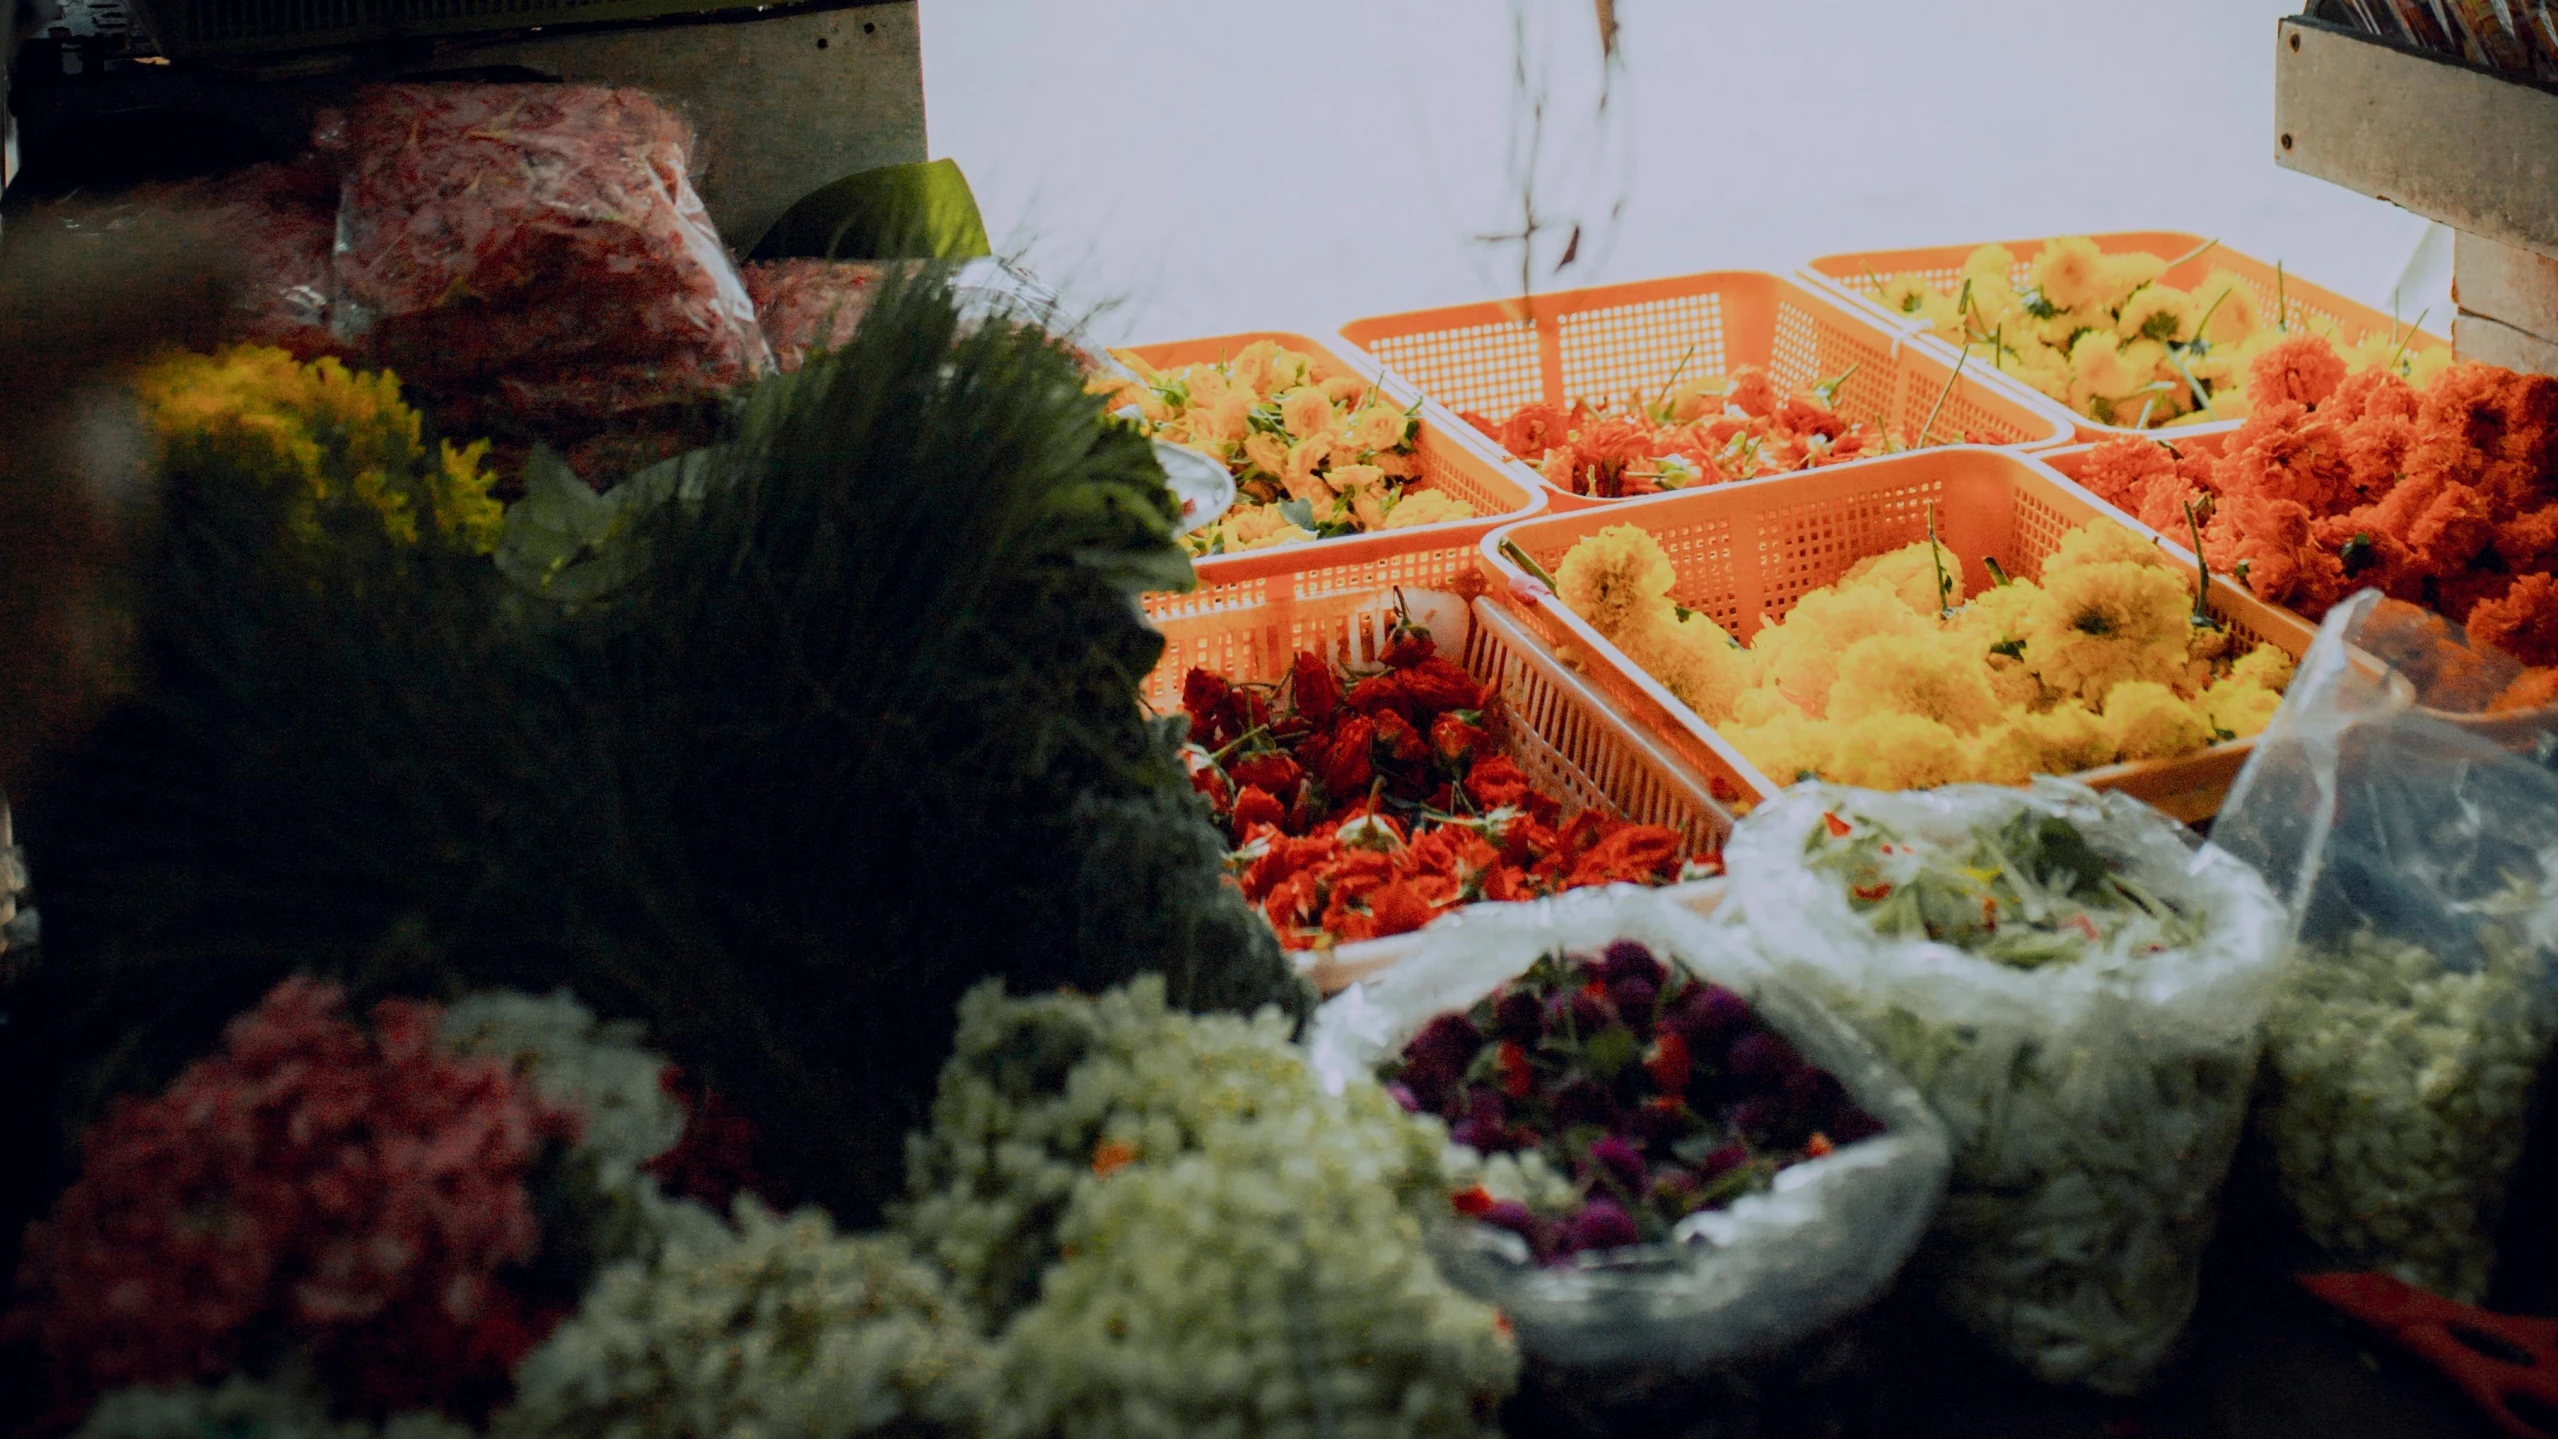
pixel 1455 742
pixel 1269 771
pixel 1346 770
pixel 1316 687
pixel 1256 807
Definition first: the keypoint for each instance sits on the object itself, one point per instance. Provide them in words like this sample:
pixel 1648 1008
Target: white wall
pixel 1220 165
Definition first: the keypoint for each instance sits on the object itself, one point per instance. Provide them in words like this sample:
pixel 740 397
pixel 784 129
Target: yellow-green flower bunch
pixel 324 441
pixel 1314 455
pixel 1890 679
pixel 2108 337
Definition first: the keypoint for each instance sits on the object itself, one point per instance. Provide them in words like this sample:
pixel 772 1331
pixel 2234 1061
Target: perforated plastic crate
pixel 1629 342
pixel 1745 553
pixel 1859 275
pixel 1424 555
pixel 1572 746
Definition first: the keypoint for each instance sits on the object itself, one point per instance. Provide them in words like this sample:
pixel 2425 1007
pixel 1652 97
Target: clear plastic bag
pixel 2094 1104
pixel 2419 856
pixel 1740 1282
pixel 494 228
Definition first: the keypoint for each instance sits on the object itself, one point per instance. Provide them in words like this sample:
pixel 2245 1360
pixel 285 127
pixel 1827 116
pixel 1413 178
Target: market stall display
pixel 1389 758
pixel 2444 495
pixel 1320 449
pixel 2401 1064
pixel 1734 1281
pixel 2127 331
pixel 1620 348
pixel 1663 596
pixel 2080 995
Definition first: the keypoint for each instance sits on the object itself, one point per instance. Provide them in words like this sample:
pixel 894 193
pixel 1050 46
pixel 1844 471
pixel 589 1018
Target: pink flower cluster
pixel 357 1196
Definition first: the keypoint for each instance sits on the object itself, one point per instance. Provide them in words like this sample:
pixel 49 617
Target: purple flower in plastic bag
pixel 1705 1012
pixel 1519 1018
pixel 1448 1042
pixel 1584 1101
pixel 1723 1161
pixel 1634 999
pixel 1620 1162
pixel 1760 1055
pixel 1601 1224
pixel 1626 960
pixel 1518 1218
pixel 1590 1012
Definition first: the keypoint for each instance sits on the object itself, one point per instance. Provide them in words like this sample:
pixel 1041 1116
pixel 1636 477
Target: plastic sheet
pixel 1741 1282
pixel 488 228
pixel 2094 1105
pixel 2419 855
pixel 809 305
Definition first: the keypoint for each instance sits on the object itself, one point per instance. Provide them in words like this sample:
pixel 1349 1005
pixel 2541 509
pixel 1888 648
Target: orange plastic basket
pixel 2304 305
pixel 1421 555
pixel 1745 553
pixel 1628 341
pixel 1570 743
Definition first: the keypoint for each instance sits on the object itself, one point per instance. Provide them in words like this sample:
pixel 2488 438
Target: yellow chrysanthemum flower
pixel 1933 674
pixel 1990 264
pixel 1617 579
pixel 1897 751
pixel 2265 667
pixel 2070 737
pixel 2240 706
pixel 1787 748
pixel 2126 273
pixel 2097 371
pixel 1802 654
pixel 1910 574
pixel 2235 314
pixel 2100 545
pixel 1695 660
pixel 2070 272
pixel 1903 294
pixel 2100 625
pixel 2157 312
pixel 324 441
pixel 2148 720
pixel 1764 705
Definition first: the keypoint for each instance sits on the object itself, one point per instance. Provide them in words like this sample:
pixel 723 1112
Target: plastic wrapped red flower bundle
pixel 1634 1094
pixel 2444 496
pixel 1702 433
pixel 1368 805
pixel 807 305
pixel 539 252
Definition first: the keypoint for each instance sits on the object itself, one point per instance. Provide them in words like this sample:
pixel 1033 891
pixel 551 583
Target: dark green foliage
pixel 861 732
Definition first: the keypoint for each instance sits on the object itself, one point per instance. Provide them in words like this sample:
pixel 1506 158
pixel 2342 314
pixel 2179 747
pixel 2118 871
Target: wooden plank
pixel 2469 148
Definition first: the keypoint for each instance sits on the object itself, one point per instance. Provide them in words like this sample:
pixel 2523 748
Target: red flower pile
pixel 1363 806
pixel 359 1197
pixel 2445 497
pixel 1695 438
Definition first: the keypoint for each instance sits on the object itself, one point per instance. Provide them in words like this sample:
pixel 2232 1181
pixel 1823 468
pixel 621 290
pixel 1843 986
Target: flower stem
pixel 1959 362
pixel 1521 558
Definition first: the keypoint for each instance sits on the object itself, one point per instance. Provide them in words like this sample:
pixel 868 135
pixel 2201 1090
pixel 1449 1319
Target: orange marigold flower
pixel 1110 1156
pixel 1535 429
pixel 2304 369
pixel 2523 621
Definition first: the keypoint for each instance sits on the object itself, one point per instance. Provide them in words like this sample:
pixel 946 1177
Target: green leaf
pixel 1610 1051
pixel 1300 513
pixel 896 212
